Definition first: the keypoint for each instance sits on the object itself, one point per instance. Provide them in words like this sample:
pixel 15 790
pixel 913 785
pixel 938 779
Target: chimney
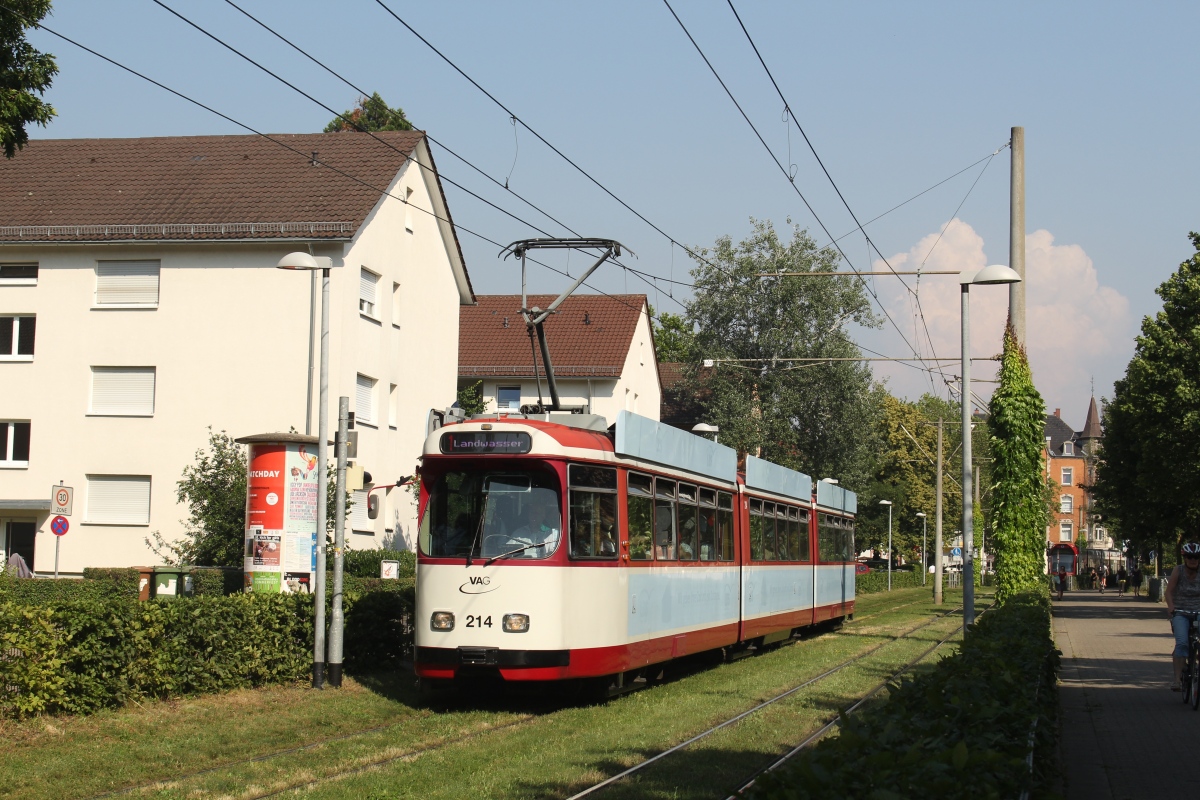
pixel 1058 412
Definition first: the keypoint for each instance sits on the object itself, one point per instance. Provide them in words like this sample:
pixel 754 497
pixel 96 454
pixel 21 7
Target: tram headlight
pixel 442 621
pixel 516 623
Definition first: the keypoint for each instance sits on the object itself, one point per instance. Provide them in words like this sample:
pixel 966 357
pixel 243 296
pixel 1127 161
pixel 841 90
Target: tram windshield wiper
pixel 518 550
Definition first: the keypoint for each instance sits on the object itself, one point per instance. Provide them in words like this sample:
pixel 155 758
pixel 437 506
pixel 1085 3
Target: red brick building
pixel 1071 467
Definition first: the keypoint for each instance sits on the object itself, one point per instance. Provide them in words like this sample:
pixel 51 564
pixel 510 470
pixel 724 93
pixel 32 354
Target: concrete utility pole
pixel 937 543
pixel 337 619
pixel 1016 233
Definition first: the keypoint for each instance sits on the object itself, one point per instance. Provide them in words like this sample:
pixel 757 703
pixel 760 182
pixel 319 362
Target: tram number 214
pixel 479 622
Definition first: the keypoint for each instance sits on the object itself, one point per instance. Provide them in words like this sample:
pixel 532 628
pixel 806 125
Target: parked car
pixel 860 568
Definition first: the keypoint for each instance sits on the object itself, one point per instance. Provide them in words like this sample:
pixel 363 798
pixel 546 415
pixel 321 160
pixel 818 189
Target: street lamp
pixel 704 427
pixel 305 261
pixel 994 274
pixel 924 545
pixel 830 481
pixel 888 503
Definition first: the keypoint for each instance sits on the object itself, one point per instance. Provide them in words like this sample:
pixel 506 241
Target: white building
pixel 601 347
pixel 140 304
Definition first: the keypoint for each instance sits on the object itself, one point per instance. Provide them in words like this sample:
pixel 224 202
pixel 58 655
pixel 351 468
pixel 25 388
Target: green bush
pixel 216 581
pixel 96 583
pixel 31 674
pixel 877 581
pixel 365 563
pixel 958 731
pixel 122 580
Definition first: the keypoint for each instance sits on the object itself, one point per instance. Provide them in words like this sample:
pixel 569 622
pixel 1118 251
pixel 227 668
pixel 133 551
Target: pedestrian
pixel 1101 574
pixel 1122 577
pixel 1091 577
pixel 1062 580
pixel 1136 578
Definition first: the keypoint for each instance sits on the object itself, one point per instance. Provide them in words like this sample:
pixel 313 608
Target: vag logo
pixel 478 584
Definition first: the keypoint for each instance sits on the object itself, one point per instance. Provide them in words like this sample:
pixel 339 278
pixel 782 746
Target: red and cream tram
pixel 557 550
pixel 1065 556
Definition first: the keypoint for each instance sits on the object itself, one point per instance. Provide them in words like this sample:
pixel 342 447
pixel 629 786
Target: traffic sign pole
pixel 57 541
pixel 59 527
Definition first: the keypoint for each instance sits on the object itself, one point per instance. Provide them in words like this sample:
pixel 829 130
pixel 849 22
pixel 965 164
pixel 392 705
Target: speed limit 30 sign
pixel 61 499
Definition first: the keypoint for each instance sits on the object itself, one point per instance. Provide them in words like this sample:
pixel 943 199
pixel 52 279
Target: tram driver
pixel 541 524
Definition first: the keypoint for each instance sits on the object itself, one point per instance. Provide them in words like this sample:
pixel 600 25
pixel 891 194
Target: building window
pixel 127 283
pixel 368 282
pixel 1099 534
pixel 396 304
pixel 1068 475
pixel 16 338
pixel 364 399
pixel 118 499
pixel 14 443
pixel 18 274
pixel 1065 531
pixel 393 404
pixel 508 398
pixel 1068 448
pixel 359 521
pixel 123 391
pixel 1066 504
pixel 408 223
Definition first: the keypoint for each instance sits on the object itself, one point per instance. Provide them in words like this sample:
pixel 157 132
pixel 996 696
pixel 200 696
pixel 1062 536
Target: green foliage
pixel 371 114
pixel 25 73
pixel 958 731
pixel 216 582
pixel 1148 479
pixel 470 399
pixel 876 581
pixel 1019 508
pixel 674 337
pixel 97 583
pixel 366 563
pixel 31 679
pixel 818 419
pixel 379 622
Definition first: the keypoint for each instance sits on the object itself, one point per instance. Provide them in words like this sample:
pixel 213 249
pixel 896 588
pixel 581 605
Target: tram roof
pixel 771 477
pixel 649 440
pixel 835 498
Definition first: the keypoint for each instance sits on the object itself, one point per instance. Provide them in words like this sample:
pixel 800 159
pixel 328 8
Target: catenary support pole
pixel 937 536
pixel 891 555
pixel 1016 233
pixel 312 313
pixel 322 491
pixel 968 511
pixel 982 532
pixel 337 618
pixel 924 549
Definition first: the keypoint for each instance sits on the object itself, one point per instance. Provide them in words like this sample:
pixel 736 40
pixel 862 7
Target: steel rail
pixel 828 726
pixel 643 764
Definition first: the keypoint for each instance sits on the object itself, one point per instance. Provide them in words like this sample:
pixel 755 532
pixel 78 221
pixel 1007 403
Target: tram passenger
pixel 1183 596
pixel 664 531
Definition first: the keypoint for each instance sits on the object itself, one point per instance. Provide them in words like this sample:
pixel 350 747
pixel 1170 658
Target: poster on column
pixel 281 516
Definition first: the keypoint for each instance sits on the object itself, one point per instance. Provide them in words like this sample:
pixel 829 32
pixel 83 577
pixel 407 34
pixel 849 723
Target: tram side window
pixel 689 522
pixel 848 551
pixel 640 516
pixel 593 511
pixel 664 519
pixel 770 551
pixel 826 534
pixel 708 525
pixel 783 533
pixel 802 549
pixel 725 525
pixel 756 530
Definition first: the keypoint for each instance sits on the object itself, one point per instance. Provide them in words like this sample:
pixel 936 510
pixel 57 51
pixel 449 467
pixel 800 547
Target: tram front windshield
pixel 509 514
pixel 1062 560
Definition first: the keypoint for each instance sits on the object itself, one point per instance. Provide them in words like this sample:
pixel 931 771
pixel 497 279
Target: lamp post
pixel 305 261
pixel 704 427
pixel 924 545
pixel 994 274
pixel 888 503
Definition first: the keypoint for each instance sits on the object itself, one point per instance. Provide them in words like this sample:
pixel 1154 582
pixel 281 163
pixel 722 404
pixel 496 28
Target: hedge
pixel 83 654
pixel 875 581
pixel 960 730
pixel 96 583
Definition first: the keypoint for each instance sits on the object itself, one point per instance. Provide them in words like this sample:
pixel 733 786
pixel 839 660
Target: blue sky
pixel 895 97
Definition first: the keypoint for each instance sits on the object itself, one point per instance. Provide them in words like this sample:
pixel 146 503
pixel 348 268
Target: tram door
pixel 18 538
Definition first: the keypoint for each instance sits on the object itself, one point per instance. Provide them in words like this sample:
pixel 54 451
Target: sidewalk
pixel 1125 734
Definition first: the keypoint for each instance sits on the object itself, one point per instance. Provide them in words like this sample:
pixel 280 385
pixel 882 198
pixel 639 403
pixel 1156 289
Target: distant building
pixel 138 283
pixel 601 348
pixel 1071 467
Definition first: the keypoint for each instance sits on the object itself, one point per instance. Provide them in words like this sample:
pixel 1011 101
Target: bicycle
pixel 1191 667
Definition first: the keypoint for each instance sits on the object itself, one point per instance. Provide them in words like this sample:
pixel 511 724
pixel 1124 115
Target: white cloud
pixel 1076 327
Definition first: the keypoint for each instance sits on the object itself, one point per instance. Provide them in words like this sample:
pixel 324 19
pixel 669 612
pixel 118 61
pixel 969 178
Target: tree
pixel 371 114
pixel 25 73
pixel 818 418
pixel 674 339
pixel 1019 501
pixel 1148 479
pixel 214 489
pixel 470 399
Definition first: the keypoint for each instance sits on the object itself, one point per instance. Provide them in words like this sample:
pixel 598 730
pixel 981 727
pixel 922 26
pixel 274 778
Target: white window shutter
pixel 127 283
pixel 118 499
pixel 364 399
pixel 367 282
pixel 359 521
pixel 123 390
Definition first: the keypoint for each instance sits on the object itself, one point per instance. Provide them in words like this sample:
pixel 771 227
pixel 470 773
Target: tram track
pixel 421 749
pixel 781 696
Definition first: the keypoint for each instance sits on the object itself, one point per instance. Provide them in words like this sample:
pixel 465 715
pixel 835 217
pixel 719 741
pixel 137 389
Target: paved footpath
pixel 1125 734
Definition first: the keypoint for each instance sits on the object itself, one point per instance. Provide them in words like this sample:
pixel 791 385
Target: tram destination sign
pixel 486 443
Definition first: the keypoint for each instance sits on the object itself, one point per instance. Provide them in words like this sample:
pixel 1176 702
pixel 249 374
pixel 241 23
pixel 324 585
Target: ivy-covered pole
pixel 1017 422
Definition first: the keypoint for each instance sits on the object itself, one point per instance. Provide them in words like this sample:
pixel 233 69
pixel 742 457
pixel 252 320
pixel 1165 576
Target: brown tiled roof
pixel 669 373
pixel 197 187
pixel 590 336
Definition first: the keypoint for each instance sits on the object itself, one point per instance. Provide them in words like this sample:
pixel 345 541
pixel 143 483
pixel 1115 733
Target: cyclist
pixel 1183 597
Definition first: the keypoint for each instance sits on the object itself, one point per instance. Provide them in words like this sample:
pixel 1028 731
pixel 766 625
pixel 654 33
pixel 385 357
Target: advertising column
pixel 281 515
